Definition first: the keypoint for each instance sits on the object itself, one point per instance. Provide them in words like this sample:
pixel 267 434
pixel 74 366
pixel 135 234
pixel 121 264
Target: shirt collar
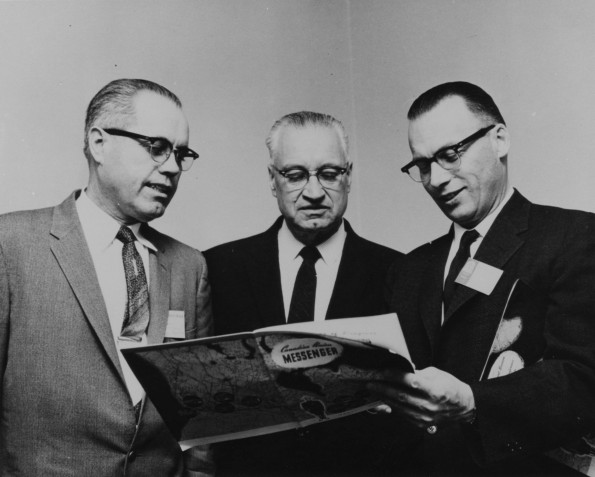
pixel 330 250
pixel 100 228
pixel 484 226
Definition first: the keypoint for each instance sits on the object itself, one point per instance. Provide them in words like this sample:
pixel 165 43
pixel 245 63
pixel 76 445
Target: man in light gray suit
pixel 82 280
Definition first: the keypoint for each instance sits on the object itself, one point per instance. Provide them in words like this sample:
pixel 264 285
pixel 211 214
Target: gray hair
pixel 304 119
pixel 112 106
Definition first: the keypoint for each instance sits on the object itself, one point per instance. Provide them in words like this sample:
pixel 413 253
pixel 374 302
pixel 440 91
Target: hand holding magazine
pixel 273 379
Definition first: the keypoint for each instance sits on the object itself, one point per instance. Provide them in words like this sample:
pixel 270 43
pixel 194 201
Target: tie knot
pixel 468 238
pixel 125 235
pixel 310 253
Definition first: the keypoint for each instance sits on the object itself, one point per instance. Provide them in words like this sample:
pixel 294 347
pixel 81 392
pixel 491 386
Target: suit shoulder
pixel 15 224
pixel 235 247
pixel 427 247
pixel 172 246
pixel 555 216
pixel 373 249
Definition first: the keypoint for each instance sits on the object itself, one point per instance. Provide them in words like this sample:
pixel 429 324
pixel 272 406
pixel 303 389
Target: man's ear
pixel 502 140
pixel 348 178
pixel 272 183
pixel 97 143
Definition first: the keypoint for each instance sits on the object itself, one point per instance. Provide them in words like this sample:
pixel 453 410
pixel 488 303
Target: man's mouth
pixel 161 188
pixel 314 211
pixel 446 198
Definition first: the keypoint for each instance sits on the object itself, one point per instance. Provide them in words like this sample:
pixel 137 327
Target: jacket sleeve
pixel 204 312
pixel 4 318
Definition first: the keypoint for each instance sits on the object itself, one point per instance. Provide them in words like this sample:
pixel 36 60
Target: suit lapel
pixel 430 293
pixel 264 276
pixel 72 254
pixel 159 294
pixel 347 291
pixel 499 245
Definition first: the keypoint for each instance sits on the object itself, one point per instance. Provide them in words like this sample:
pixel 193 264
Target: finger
pixel 381 409
pixel 403 402
pixel 394 375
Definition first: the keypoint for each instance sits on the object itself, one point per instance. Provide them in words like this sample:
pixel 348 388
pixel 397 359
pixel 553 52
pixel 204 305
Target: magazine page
pixel 210 387
pixel 234 386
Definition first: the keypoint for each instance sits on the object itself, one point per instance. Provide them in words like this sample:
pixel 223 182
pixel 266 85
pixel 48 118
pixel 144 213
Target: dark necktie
pixel 136 314
pixel 304 290
pixel 457 265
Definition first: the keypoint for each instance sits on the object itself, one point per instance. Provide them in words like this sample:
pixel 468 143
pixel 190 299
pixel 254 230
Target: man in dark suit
pixel 537 391
pixel 256 280
pixel 84 279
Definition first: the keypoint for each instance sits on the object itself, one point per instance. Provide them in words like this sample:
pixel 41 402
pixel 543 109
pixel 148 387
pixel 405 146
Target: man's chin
pixel 151 213
pixel 463 219
pixel 313 232
pixel 314 224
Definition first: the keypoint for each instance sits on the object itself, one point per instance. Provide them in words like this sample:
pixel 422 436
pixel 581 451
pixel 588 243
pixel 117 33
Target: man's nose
pixel 438 175
pixel 170 166
pixel 313 190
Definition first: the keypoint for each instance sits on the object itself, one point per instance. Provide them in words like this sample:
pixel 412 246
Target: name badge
pixel 175 325
pixel 479 276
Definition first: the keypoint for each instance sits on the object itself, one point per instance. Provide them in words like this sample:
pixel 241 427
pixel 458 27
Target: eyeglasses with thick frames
pixel 449 158
pixel 329 177
pixel 159 148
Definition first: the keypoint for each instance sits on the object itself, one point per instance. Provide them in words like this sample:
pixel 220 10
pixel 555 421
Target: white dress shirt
pixel 327 267
pixel 482 228
pixel 100 231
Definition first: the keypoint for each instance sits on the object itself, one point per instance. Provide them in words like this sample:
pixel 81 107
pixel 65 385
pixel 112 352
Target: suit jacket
pixel 65 408
pixel 246 290
pixel 550 401
pixel 246 281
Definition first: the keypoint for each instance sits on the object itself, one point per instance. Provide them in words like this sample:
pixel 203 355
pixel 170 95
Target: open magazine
pixel 273 379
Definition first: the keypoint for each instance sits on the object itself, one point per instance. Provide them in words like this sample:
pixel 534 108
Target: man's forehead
pixel 447 123
pixel 157 115
pixel 310 142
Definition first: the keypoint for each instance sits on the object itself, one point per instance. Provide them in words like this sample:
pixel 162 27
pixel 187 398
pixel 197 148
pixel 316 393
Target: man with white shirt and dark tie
pixel 466 414
pixel 310 265
pixel 82 280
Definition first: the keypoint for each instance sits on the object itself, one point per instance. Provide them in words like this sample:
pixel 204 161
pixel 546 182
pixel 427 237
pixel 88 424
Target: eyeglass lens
pixel 328 177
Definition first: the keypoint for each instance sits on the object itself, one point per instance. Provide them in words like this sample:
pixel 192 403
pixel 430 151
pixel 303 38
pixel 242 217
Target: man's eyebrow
pixel 438 151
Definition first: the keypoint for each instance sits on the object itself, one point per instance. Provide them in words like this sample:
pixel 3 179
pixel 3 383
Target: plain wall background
pixel 238 65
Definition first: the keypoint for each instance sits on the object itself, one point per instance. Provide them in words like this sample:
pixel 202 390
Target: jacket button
pixel 512 446
pixel 131 456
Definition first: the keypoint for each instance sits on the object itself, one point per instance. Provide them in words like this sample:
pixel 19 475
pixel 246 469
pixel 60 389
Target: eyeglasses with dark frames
pixel 159 148
pixel 449 158
pixel 329 177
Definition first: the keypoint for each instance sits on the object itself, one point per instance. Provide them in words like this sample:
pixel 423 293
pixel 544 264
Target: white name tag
pixel 175 325
pixel 479 276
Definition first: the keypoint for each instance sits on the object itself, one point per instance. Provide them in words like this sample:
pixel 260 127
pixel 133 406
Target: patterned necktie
pixel 304 290
pixel 136 314
pixel 457 265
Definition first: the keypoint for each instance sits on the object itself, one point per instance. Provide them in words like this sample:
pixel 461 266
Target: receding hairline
pixel 304 120
pixel 116 103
